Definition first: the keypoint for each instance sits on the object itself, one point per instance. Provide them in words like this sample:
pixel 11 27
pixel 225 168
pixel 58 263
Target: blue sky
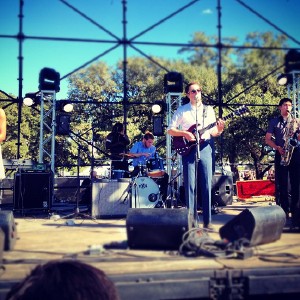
pixel 53 18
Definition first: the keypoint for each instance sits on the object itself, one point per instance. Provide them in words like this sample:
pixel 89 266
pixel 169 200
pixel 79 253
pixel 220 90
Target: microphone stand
pixel 197 159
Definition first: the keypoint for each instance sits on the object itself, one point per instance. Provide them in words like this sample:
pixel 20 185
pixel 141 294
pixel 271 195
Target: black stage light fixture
pixel 32 99
pixel 285 79
pixel 173 82
pixel 49 80
pixel 159 107
pixel 65 106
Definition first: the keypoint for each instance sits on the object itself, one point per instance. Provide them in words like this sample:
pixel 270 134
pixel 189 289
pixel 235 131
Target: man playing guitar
pixel 200 115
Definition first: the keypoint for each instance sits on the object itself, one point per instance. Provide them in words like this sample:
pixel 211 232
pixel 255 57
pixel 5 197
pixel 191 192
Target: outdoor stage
pixel 273 269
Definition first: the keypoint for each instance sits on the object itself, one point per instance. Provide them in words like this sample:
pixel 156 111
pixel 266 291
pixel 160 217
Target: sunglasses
pixel 195 91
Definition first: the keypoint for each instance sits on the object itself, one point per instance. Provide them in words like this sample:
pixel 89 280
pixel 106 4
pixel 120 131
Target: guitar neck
pixel 201 131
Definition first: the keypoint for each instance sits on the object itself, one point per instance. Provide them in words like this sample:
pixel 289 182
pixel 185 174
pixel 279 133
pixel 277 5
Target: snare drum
pixel 155 167
pixel 145 193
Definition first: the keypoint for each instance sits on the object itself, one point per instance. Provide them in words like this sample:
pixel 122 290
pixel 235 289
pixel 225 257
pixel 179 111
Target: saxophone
pixel 290 142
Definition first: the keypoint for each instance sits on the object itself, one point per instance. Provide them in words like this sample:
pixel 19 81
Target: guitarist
pixel 183 119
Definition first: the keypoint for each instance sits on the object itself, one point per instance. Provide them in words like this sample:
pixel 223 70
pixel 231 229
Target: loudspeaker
pixel 222 190
pixel 110 198
pixel 158 126
pixel 8 226
pixel 259 225
pixel 157 228
pixel 33 190
pixel 173 82
pixel 63 124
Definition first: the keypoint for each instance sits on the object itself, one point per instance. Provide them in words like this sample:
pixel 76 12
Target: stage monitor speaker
pixel 8 226
pixel 33 190
pixel 222 190
pixel 156 228
pixel 110 198
pixel 259 225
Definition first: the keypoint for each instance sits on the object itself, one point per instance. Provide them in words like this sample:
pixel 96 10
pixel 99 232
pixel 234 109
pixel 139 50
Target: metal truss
pixel 173 100
pixel 294 93
pixel 47 128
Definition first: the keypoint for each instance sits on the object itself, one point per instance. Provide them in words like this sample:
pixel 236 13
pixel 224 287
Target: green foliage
pixel 247 78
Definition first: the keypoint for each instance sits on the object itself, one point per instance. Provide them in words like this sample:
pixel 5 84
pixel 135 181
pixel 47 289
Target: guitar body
pixel 183 146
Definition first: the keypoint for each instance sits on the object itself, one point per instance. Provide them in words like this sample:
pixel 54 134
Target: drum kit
pixel 143 189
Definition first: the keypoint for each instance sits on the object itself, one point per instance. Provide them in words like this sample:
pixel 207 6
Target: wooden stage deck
pixel 273 269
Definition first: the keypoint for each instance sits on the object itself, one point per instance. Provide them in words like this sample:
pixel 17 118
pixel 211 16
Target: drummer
pixel 140 152
pixel 116 143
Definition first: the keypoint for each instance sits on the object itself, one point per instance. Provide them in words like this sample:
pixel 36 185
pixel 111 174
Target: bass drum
pixel 145 193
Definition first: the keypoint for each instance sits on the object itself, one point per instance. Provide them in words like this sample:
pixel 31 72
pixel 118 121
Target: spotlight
pixel 65 106
pixel 285 79
pixel 159 107
pixel 31 99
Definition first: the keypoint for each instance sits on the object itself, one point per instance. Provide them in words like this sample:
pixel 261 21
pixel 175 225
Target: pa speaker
pixel 173 82
pixel 222 190
pixel 33 190
pixel 259 225
pixel 156 228
pixel 8 226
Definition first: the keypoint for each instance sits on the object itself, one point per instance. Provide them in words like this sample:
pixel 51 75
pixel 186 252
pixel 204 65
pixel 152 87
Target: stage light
pixel 285 79
pixel 159 107
pixel 65 106
pixel 31 99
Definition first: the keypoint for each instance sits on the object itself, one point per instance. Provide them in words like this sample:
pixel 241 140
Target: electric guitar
pixel 183 146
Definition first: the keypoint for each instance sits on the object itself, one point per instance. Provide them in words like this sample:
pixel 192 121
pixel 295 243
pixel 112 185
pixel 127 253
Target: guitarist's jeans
pixel 204 178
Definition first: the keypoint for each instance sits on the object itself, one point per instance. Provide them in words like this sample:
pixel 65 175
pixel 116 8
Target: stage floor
pixel 147 274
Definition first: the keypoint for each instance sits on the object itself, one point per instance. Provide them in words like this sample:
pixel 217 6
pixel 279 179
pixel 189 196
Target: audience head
pixel 64 280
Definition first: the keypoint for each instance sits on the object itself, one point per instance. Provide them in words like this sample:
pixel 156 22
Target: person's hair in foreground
pixel 64 280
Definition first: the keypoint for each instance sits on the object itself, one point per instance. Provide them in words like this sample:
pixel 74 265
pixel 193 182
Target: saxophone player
pixel 281 131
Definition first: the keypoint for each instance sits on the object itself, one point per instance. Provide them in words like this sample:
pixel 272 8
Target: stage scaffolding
pixel 47 128
pixel 294 93
pixel 173 100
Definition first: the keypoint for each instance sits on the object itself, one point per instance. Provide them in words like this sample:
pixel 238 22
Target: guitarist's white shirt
pixel 185 117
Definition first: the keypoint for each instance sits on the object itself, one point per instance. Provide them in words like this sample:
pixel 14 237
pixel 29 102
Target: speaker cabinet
pixel 156 228
pixel 110 198
pixel 33 190
pixel 222 190
pixel 259 225
pixel 8 226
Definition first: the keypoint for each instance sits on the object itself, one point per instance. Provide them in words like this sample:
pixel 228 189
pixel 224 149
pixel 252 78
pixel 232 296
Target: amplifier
pixel 33 190
pixel 110 198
